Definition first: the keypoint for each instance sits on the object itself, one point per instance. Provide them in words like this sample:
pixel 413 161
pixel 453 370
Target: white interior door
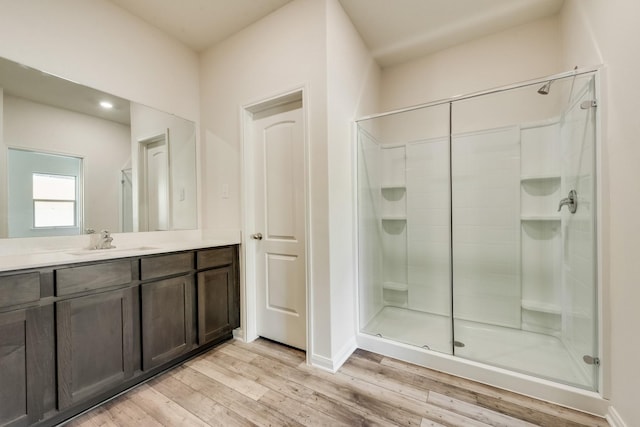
pixel 157 186
pixel 279 233
pixel 154 201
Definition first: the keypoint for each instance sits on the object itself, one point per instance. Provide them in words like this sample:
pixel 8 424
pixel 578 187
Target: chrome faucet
pixel 105 240
pixel 571 201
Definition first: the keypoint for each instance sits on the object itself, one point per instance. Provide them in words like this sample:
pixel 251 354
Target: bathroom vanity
pixel 75 334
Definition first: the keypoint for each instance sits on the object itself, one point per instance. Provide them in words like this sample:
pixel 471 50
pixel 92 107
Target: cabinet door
pixel 218 303
pixel 95 344
pixel 13 369
pixel 167 320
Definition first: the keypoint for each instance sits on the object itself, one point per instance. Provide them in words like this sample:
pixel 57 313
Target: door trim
pixel 248 291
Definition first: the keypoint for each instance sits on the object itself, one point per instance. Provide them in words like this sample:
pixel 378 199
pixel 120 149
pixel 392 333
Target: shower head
pixel 544 89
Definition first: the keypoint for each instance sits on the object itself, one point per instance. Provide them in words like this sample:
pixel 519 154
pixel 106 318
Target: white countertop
pixel 30 255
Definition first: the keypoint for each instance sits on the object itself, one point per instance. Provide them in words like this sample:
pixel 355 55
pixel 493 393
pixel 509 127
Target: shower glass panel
pixel 404 228
pixel 524 271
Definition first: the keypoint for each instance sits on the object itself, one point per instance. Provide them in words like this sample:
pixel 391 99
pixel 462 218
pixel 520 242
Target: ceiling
pixel 400 30
pixel 394 30
pixel 200 24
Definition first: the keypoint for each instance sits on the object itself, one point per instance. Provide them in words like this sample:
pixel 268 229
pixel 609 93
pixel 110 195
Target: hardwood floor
pixel 267 384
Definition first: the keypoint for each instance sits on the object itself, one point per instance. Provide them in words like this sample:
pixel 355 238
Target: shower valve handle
pixel 571 201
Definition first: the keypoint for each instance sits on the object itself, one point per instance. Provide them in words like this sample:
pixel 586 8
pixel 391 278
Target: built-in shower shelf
pixel 525 178
pixel 541 307
pixel 395 286
pixel 393 187
pixel 540 218
pixel 394 217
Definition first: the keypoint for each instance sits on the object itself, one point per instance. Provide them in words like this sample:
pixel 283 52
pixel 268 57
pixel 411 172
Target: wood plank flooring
pixel 267 384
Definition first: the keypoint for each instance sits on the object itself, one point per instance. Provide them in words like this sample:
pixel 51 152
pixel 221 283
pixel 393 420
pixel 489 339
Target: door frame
pixel 248 288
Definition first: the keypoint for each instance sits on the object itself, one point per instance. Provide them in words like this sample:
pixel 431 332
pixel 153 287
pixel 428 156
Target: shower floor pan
pixel 514 349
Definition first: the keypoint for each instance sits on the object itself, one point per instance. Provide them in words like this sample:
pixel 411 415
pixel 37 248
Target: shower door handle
pixel 571 201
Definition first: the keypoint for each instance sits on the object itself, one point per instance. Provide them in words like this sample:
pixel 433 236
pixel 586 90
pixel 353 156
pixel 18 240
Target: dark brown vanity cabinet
pixel 74 335
pixel 218 293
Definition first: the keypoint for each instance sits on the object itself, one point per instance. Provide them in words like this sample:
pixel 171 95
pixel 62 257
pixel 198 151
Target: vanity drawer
pixel 19 289
pixel 165 265
pixel 215 258
pixel 90 277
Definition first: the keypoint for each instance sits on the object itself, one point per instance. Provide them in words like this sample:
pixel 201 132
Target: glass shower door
pixel 404 228
pixel 578 219
pixel 524 273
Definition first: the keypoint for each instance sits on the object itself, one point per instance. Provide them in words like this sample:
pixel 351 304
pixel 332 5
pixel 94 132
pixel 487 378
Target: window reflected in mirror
pixel 54 200
pixel 43 194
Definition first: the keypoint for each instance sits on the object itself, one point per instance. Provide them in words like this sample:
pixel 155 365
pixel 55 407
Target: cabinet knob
pixel 257 236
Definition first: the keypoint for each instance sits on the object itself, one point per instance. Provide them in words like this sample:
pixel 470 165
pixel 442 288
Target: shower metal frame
pixel 603 389
pixel 455 98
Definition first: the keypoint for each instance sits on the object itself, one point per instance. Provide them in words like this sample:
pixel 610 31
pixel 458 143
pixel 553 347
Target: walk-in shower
pixel 477 229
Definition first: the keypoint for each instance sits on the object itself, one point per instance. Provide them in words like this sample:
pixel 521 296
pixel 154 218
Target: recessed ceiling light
pixel 106 105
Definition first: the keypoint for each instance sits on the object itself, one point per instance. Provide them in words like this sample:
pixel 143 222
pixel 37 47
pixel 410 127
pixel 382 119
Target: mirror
pixel 134 167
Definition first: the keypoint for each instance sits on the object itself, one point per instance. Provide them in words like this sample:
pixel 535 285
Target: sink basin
pixel 86 252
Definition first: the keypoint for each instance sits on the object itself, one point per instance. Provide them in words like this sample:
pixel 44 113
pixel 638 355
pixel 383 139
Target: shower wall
pixel 486 230
pixel 541 234
pixel 393 219
pixel 428 226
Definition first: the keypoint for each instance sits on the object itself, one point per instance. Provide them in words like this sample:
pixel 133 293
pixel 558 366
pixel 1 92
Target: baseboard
pixel 614 419
pixel 322 362
pixel 345 352
pixel 239 334
pixel 333 364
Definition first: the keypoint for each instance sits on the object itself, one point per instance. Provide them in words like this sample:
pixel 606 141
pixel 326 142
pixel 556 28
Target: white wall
pixel 284 51
pixel 607 32
pixel 352 89
pixel 521 53
pixel 33 126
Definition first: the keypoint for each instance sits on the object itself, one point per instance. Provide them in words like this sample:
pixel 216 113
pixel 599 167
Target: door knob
pixel 256 236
